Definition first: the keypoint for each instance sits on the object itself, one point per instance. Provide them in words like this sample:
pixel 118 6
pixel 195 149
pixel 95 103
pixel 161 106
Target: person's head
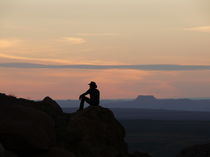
pixel 92 84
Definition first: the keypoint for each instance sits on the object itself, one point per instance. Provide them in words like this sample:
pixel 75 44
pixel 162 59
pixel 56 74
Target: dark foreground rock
pixel 25 129
pixel 95 132
pixel 139 154
pixel 196 151
pixel 41 129
pixel 53 152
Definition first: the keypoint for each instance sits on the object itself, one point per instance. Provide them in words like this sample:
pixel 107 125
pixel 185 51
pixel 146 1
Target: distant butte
pixel 145 98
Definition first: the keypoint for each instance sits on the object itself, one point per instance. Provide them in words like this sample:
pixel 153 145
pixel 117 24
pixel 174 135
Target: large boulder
pixel 52 105
pixel 94 132
pixel 25 129
pixel 47 105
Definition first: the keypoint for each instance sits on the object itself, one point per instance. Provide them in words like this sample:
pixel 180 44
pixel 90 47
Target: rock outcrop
pixel 41 129
pixel 23 128
pixel 97 133
pixel 47 105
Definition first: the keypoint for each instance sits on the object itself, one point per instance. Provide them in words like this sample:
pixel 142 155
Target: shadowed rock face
pixel 23 128
pixel 97 133
pixel 47 105
pixel 139 154
pixel 41 129
pixel 54 152
pixel 196 151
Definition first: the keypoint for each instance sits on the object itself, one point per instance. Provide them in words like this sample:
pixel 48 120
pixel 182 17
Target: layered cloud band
pixel 148 67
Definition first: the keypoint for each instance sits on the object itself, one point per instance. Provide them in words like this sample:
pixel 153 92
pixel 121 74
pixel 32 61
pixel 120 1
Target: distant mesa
pixel 145 98
pixel 184 104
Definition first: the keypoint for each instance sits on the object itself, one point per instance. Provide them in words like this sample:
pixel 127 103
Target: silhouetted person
pixel 94 99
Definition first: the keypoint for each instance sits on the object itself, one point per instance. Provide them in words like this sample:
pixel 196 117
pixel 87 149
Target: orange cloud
pixel 50 61
pixel 34 59
pixel 199 29
pixel 96 34
pixel 74 40
pixel 7 43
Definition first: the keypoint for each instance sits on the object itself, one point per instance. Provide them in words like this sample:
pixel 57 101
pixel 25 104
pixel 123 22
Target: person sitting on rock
pixel 94 96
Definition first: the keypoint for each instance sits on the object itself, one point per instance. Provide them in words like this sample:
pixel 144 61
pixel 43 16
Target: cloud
pixel 96 34
pixel 150 67
pixel 199 29
pixel 7 43
pixel 60 61
pixel 74 40
pixel 33 59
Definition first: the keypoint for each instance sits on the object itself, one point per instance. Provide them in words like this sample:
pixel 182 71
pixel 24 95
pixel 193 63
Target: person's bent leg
pixel 87 100
pixel 83 100
pixel 81 104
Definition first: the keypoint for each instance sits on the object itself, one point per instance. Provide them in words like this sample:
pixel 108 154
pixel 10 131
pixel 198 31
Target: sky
pixel 38 37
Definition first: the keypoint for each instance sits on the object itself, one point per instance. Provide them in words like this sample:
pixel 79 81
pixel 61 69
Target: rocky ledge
pixel 41 129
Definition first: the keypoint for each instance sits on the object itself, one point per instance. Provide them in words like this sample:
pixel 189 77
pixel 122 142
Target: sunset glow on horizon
pixel 99 32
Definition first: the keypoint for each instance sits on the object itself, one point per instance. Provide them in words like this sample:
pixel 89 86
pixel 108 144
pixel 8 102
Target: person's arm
pixel 86 93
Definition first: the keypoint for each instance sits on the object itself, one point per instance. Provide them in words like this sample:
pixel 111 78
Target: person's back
pixel 94 96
